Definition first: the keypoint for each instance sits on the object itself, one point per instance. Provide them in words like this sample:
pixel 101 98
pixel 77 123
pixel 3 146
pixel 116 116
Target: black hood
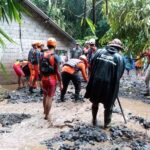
pixel 111 49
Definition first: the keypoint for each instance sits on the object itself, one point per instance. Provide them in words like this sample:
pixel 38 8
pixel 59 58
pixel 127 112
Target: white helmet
pixel 83 57
pixel 87 42
pixel 92 41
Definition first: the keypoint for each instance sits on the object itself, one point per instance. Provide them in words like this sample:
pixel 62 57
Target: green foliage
pixel 128 20
pixel 10 10
pixel 4 71
pixel 70 14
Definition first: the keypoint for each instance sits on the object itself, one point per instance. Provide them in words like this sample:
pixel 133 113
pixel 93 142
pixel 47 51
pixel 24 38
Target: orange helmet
pixel 51 42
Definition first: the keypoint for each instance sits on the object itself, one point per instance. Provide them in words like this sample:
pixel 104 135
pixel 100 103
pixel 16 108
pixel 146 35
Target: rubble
pixel 7 120
pixel 23 96
pixel 141 121
pixel 81 135
pixel 131 87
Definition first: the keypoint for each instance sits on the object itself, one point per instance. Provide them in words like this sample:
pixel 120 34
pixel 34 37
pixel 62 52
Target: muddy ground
pixel 22 126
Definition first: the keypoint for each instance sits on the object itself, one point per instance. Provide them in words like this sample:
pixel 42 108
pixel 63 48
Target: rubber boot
pixel 147 93
pixel 61 99
pixel 31 90
pixel 78 97
pixel 41 91
pixel 107 118
pixel 94 114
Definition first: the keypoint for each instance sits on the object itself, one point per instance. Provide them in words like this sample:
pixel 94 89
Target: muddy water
pixel 29 133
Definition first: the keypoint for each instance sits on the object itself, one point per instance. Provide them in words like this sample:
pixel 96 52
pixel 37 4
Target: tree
pixel 10 10
pixel 129 21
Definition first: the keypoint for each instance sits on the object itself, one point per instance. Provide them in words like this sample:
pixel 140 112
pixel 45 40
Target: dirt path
pixel 30 132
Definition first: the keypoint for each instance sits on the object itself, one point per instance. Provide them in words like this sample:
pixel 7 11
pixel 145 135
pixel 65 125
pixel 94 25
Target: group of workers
pixel 101 69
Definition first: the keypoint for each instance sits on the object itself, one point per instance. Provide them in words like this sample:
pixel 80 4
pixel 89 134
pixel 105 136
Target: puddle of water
pixel 10 87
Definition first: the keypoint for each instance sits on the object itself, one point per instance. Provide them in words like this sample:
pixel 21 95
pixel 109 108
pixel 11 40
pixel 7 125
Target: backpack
pixel 33 56
pixel 73 63
pixel 45 67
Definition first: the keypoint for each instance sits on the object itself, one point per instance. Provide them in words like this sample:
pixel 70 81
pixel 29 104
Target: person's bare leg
pixel 22 81
pixel 48 106
pixel 19 82
pixel 44 103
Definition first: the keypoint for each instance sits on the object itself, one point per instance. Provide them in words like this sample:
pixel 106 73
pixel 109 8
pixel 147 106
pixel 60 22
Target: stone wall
pixel 33 27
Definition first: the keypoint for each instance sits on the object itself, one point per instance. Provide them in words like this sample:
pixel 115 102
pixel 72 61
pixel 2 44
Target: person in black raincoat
pixel 107 67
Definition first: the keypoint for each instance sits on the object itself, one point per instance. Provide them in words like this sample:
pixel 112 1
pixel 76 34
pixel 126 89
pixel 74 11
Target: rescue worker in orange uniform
pixel 33 59
pixel 18 68
pixel 40 47
pixel 70 71
pixel 49 68
pixel 138 66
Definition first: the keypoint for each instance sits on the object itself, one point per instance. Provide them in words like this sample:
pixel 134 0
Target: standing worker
pixel 70 71
pixel 40 47
pixel 92 50
pixel 107 67
pixel 49 68
pixel 33 62
pixel 91 53
pixel 138 66
pixel 76 51
pixel 147 75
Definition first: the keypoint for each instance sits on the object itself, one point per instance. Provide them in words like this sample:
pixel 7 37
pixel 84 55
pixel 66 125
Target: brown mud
pixel 35 133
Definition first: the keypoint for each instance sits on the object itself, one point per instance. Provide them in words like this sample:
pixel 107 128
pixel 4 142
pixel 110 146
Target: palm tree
pixel 10 10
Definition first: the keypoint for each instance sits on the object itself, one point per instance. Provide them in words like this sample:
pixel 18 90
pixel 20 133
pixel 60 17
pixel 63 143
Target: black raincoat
pixel 107 69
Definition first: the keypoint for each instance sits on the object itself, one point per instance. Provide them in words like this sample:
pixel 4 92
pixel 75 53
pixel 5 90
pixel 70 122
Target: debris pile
pixel 87 137
pixel 23 96
pixel 141 121
pixel 131 86
pixel 7 120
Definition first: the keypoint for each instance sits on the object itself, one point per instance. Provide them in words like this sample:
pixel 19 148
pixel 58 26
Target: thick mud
pixel 69 127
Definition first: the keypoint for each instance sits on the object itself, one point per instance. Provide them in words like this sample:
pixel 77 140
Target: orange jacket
pixel 139 63
pixel 71 70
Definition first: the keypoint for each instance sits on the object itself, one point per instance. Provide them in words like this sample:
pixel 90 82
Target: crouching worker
pixel 19 72
pixel 107 67
pixel 70 72
pixel 49 69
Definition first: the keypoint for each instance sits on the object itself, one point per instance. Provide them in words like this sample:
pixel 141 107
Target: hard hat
pixel 51 42
pixel 116 43
pixel 34 43
pixel 40 44
pixel 83 57
pixel 92 41
pixel 86 42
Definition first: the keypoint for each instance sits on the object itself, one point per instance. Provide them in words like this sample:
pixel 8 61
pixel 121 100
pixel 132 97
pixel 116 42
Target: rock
pixel 23 96
pixel 10 119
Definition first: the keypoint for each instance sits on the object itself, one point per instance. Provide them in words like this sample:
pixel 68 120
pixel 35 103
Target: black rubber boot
pixel 107 118
pixel 94 114
pixel 41 91
pixel 61 99
pixel 31 90
pixel 78 97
